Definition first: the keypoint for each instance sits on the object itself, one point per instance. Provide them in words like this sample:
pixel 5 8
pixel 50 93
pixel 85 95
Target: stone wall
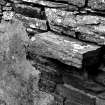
pixel 56 35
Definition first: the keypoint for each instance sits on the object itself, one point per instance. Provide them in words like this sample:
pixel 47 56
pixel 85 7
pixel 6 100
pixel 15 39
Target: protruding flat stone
pixel 66 50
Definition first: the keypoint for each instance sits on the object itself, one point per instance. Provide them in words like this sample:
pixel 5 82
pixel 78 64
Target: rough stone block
pixel 28 11
pixel 79 3
pixel 46 85
pixel 33 23
pixel 51 4
pixel 75 96
pixel 97 4
pixel 100 101
pixel 16 73
pixel 85 27
pixel 58 100
pixel 51 76
pixel 2 2
pixel 8 15
pixel 64 49
pixel 78 82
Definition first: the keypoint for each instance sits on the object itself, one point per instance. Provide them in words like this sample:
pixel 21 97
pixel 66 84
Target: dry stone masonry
pixel 47 47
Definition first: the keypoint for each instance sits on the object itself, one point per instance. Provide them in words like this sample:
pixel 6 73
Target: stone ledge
pixel 67 50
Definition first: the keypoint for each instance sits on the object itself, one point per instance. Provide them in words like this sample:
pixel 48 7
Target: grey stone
pixel 33 23
pixel 87 27
pixel 29 11
pixel 79 3
pixel 97 4
pixel 67 50
pixel 51 4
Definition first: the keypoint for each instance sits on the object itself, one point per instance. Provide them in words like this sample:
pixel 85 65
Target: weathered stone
pixel 58 100
pixel 66 50
pixel 87 19
pixel 47 85
pixel 68 102
pixel 97 4
pixel 76 80
pixel 85 27
pixel 43 98
pixel 61 21
pixel 51 76
pixel 16 73
pixel 7 8
pixel 100 101
pixel 29 11
pixel 95 38
pixel 53 4
pixel 8 15
pixel 100 78
pixel 2 2
pixel 33 23
pixel 60 17
pixel 75 95
pixel 8 30
pixel 79 3
pixel 31 32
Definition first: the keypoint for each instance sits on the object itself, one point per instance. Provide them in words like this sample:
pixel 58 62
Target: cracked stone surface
pixel 16 73
pixel 42 46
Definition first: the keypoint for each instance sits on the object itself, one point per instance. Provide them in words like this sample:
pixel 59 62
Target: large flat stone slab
pixel 65 49
pixel 86 27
